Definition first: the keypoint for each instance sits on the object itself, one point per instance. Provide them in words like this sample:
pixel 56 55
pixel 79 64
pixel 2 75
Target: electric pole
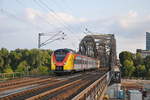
pixel 53 37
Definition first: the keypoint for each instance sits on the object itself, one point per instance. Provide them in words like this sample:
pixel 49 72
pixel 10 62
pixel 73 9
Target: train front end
pixel 62 61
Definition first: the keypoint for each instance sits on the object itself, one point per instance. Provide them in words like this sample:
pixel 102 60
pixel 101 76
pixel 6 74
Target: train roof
pixel 69 50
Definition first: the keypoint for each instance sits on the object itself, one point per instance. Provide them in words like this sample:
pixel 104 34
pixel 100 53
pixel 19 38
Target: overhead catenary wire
pixel 54 15
pixel 51 38
pixel 11 15
pixel 41 17
pixel 61 9
pixel 54 2
pixel 39 4
pixel 88 31
pixel 70 9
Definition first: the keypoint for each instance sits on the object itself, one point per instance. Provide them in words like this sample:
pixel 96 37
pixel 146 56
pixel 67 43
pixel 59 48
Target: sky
pixel 22 20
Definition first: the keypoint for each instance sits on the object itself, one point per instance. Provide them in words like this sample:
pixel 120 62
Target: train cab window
pixel 60 54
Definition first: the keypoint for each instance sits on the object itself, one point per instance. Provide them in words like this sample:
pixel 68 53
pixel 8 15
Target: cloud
pixel 53 18
pixel 129 29
pixel 22 32
pixel 129 20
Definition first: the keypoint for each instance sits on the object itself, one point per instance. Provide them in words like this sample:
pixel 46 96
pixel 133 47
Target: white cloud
pixel 129 29
pixel 132 13
pixel 130 20
pixel 31 13
pixel 32 22
pixel 54 18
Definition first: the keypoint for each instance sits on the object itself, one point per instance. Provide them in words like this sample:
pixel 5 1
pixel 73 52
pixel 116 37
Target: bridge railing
pixel 96 90
pixel 4 76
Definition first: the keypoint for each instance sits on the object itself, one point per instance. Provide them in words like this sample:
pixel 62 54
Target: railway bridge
pixel 102 47
pixel 90 85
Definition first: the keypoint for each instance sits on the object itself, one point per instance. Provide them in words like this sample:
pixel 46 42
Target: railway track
pixel 25 83
pixel 18 81
pixel 56 89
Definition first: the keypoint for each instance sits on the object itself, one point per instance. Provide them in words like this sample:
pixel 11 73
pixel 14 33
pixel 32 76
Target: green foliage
pixel 134 65
pixel 125 55
pixel 22 67
pixel 148 74
pixel 15 59
pixel 43 70
pixel 23 60
pixel 138 60
pixel 1 63
pixel 4 54
pixel 129 68
pixel 34 71
pixel 141 70
pixel 147 62
pixel 8 69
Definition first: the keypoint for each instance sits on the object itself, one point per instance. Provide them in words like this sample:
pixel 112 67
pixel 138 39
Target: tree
pixel 35 57
pixel 129 68
pixel 4 54
pixel 138 59
pixel 8 69
pixel 43 70
pixel 125 55
pixel 147 62
pixel 147 66
pixel 24 59
pixel 45 58
pixel 141 70
pixel 15 59
pixel 34 71
pixel 1 64
pixel 22 67
pixel 148 74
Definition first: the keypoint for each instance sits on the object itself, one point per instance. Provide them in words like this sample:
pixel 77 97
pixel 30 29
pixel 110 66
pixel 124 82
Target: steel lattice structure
pixel 102 47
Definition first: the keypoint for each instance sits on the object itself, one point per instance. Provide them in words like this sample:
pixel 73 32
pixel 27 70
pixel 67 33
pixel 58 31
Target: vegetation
pixel 24 60
pixel 133 65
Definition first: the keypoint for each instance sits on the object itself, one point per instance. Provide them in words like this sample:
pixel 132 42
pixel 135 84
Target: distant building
pixel 143 53
pixel 147 41
pixel 146 52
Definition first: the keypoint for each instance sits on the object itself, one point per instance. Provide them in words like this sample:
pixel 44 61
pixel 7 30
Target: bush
pixel 43 70
pixel 22 67
pixel 34 71
pixel 8 69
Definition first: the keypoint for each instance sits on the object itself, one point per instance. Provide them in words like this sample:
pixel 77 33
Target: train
pixel 68 61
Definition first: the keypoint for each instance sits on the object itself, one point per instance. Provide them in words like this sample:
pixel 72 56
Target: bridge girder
pixel 102 47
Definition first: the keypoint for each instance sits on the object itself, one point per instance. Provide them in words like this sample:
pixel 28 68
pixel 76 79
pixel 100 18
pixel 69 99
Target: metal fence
pixel 4 76
pixel 96 90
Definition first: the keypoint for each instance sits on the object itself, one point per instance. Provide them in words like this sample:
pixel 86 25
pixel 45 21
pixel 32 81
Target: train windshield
pixel 60 54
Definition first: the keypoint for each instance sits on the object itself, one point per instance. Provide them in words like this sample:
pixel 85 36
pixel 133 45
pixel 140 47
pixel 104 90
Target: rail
pixel 96 90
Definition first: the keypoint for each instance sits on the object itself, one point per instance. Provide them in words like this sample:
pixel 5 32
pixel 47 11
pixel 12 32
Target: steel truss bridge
pixel 102 47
